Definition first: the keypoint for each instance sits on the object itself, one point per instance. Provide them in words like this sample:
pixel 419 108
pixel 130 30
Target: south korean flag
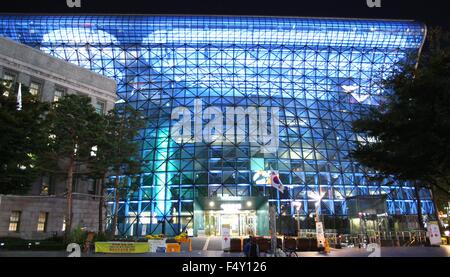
pixel 275 181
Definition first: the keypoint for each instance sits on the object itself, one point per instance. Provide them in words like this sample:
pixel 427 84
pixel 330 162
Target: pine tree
pixel 412 127
pixel 22 138
pixel 117 155
pixel 74 127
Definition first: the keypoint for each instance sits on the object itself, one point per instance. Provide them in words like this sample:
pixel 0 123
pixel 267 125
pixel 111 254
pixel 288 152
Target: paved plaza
pixel 211 247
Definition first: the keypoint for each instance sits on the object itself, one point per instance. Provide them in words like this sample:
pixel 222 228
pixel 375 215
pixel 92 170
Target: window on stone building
pixel 64 224
pixel 47 185
pixel 42 222
pixel 100 106
pixel 14 221
pixel 35 88
pixel 8 82
pixel 91 187
pixel 76 185
pixel 59 92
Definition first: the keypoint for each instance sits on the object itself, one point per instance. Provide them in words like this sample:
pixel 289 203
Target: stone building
pixel 41 213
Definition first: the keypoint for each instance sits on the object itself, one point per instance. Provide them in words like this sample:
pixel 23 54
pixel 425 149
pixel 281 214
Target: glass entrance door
pixel 239 224
pixel 211 223
pixel 248 224
pixel 230 221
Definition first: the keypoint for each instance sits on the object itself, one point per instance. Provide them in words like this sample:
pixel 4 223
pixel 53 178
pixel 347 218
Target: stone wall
pixel 28 65
pixel 85 214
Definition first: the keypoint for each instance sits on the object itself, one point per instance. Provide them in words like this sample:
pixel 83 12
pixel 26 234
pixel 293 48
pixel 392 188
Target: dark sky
pixel 432 12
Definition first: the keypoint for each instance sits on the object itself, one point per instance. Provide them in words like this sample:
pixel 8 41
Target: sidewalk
pixel 443 251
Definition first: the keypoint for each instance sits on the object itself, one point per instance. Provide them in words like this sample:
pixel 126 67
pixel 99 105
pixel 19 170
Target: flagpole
pixel 279 202
pixel 19 98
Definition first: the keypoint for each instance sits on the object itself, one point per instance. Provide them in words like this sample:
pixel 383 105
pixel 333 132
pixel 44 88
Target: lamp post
pixel 320 230
pixel 318 198
pixel 298 205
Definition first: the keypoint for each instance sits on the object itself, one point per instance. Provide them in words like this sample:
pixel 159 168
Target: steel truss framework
pixel 322 73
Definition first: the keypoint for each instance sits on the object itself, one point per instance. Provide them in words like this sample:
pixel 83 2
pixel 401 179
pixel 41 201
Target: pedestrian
pixel 251 248
pixel 247 246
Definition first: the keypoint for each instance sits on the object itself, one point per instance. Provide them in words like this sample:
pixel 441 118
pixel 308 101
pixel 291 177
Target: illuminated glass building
pixel 321 73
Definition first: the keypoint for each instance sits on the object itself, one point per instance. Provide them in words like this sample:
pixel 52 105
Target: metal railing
pixel 401 238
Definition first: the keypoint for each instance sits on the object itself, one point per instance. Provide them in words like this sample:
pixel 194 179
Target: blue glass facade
pixel 321 73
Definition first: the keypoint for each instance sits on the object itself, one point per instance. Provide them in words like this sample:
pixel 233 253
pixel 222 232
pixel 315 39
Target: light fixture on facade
pixel 211 204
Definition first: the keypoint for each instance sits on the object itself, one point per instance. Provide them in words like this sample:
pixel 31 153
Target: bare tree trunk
pixel 116 210
pixel 419 206
pixel 69 184
pixel 273 230
pixel 101 204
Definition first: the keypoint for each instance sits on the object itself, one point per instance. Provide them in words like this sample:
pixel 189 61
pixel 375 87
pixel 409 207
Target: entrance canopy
pixel 241 216
pixel 229 203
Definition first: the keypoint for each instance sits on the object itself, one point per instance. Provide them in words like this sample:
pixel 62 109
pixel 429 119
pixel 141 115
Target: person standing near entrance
pixel 247 246
pixel 251 248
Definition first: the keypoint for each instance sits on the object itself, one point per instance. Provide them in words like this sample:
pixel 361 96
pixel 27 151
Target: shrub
pixel 77 235
pixel 102 237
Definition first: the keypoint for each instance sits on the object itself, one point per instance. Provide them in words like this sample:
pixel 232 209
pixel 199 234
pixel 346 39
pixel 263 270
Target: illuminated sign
pixel 231 207
pixel 230 197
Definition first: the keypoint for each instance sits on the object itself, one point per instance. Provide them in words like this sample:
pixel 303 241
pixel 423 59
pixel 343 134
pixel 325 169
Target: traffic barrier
pixel 290 244
pixel 264 244
pixel 235 245
pixel 173 247
pixel 327 248
pixel 307 244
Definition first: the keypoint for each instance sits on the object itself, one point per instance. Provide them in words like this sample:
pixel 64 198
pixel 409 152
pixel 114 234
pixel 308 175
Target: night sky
pixel 431 12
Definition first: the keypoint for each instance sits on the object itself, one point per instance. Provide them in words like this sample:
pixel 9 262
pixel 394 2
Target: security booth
pixel 238 215
pixel 368 214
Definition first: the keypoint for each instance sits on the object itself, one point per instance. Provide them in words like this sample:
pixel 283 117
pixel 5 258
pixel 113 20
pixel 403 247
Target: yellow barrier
pixel 185 240
pixel 121 247
pixel 327 246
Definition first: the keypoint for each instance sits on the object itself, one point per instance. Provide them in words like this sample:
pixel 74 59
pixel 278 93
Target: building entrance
pixel 242 223
pixel 234 215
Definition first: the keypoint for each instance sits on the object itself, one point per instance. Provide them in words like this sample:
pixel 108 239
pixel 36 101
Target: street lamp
pixel 320 230
pixel 318 198
pixel 298 206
